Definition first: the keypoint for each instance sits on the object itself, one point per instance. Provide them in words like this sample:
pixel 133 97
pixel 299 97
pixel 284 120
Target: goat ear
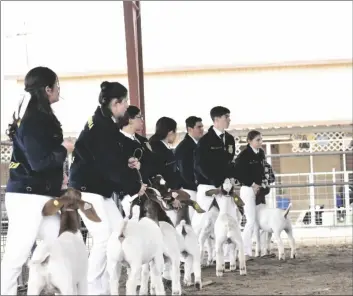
pixel 212 192
pixel 52 206
pixel 180 195
pixel 89 211
pixel 195 205
pixel 238 201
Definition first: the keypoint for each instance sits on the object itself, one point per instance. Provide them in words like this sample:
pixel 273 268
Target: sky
pixel 89 36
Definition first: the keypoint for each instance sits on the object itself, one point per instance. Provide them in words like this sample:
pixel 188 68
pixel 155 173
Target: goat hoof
pixel 243 271
pixel 219 273
pixel 209 262
pixel 233 267
pixel 176 293
pixel 187 283
pixel 198 286
pixel 293 256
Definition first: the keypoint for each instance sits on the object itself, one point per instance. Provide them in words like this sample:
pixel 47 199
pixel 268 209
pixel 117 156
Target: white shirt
pixel 193 139
pixel 219 133
pixel 127 135
pixel 166 144
pixel 256 151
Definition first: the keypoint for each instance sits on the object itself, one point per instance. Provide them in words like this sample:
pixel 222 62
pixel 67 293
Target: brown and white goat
pixel 190 250
pixel 62 266
pixel 226 227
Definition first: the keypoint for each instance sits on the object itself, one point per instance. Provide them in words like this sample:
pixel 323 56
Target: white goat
pixel 190 249
pixel 274 221
pixel 136 245
pixel 227 228
pixel 62 265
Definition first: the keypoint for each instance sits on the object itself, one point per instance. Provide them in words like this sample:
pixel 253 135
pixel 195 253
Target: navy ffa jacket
pixel 141 149
pixel 249 166
pixel 167 162
pixel 38 157
pixel 213 158
pixel 99 165
pixel 184 154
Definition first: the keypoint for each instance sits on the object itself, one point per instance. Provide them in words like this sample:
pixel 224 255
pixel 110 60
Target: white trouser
pixel 205 203
pixel 126 204
pixel 108 212
pixel 248 196
pixel 26 224
pixel 192 194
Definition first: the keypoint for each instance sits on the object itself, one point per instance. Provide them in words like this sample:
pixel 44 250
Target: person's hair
pixel 252 135
pixel 131 113
pixel 109 91
pixel 191 121
pixel 36 80
pixel 218 111
pixel 164 125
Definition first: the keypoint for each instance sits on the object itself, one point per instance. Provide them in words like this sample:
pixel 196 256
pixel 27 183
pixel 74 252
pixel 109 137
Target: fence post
pixel 334 195
pixel 271 197
pixel 312 191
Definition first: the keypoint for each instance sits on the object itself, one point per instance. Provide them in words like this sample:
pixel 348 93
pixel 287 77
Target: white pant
pixel 26 224
pixel 192 194
pixel 108 212
pixel 248 196
pixel 126 204
pixel 205 203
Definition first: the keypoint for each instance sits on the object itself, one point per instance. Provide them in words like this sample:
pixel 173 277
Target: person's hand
pixel 176 204
pixel 69 145
pixel 142 189
pixel 256 188
pixel 133 163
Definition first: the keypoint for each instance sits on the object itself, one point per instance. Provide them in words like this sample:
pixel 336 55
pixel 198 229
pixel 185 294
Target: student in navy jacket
pixel 36 173
pixel 250 172
pixel 184 154
pixel 161 142
pixel 134 144
pixel 100 168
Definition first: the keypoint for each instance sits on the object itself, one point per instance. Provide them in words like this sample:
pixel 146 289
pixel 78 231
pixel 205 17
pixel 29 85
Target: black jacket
pixel 249 166
pixel 165 159
pixel 184 154
pixel 99 165
pixel 38 157
pixel 213 158
pixel 148 159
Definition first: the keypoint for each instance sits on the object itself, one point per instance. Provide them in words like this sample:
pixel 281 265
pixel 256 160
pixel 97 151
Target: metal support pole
pixel 312 190
pixel 132 18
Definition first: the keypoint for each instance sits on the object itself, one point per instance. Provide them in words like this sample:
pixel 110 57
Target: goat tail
pixel 287 210
pixel 121 232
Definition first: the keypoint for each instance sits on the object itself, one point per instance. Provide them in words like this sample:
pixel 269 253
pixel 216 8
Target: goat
pixel 62 265
pixel 152 205
pixel 227 228
pixel 189 248
pixel 136 245
pixel 274 221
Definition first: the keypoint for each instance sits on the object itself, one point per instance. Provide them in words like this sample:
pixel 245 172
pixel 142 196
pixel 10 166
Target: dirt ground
pixel 317 270
pixel 322 270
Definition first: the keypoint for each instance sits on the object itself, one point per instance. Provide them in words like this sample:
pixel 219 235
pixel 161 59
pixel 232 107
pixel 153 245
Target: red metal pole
pixel 132 18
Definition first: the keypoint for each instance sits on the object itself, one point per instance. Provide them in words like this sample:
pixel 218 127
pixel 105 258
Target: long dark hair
pixel 164 125
pixel 36 80
pixel 131 113
pixel 109 91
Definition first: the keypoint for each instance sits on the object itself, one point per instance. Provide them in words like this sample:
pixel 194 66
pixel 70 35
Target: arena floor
pixel 317 270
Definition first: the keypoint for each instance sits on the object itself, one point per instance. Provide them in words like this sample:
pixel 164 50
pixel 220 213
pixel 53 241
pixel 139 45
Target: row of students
pixel 104 162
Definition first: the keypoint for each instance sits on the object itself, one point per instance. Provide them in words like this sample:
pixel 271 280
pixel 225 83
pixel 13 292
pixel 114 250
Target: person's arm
pixel 202 161
pixel 240 170
pixel 185 165
pixel 37 147
pixel 110 162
